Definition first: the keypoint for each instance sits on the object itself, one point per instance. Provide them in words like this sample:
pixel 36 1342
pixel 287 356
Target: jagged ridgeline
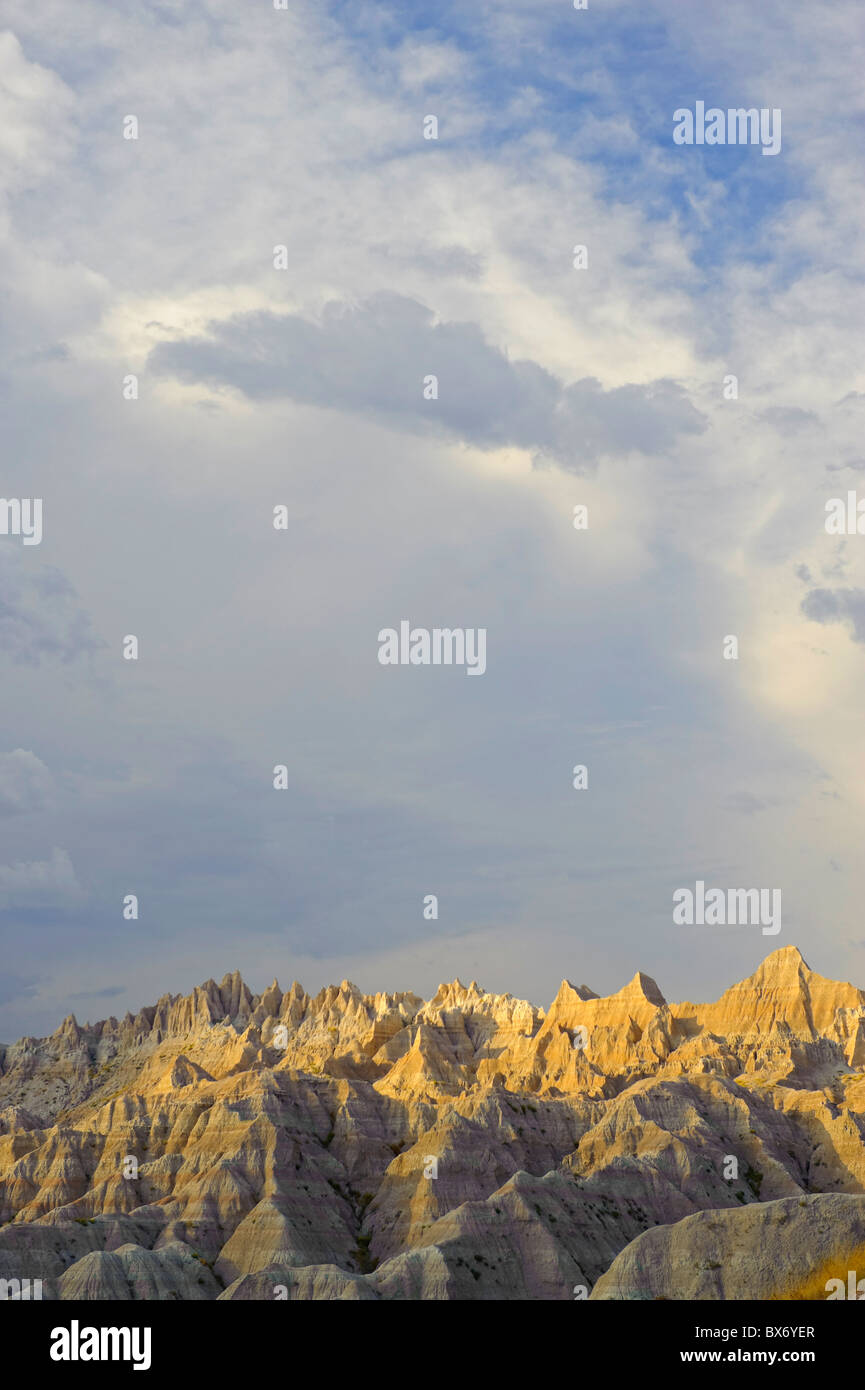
pixel 239 1146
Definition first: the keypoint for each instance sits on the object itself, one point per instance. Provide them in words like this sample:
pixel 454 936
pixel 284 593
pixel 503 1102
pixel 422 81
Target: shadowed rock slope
pixel 239 1146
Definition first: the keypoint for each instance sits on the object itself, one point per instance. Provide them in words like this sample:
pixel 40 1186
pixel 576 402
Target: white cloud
pixel 41 883
pixel 25 783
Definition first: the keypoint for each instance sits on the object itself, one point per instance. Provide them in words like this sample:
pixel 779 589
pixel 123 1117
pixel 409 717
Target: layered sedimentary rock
pixel 232 1145
pixel 799 1248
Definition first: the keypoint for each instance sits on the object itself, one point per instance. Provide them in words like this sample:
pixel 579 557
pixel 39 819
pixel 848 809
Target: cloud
pixel 39 617
pixel 35 112
pixel 15 987
pixel 746 803
pixel 109 992
pixel 837 606
pixel 855 465
pixel 373 358
pixel 25 783
pixel 789 420
pixel 158 511
pixel 40 883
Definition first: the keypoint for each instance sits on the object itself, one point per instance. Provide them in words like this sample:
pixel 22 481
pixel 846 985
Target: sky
pixel 301 385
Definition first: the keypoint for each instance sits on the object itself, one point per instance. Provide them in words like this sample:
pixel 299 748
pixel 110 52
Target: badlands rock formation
pixel 756 1252
pixel 239 1146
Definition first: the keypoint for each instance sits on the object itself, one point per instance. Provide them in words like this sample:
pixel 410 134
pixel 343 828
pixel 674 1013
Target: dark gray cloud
pixel 837 606
pixel 373 358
